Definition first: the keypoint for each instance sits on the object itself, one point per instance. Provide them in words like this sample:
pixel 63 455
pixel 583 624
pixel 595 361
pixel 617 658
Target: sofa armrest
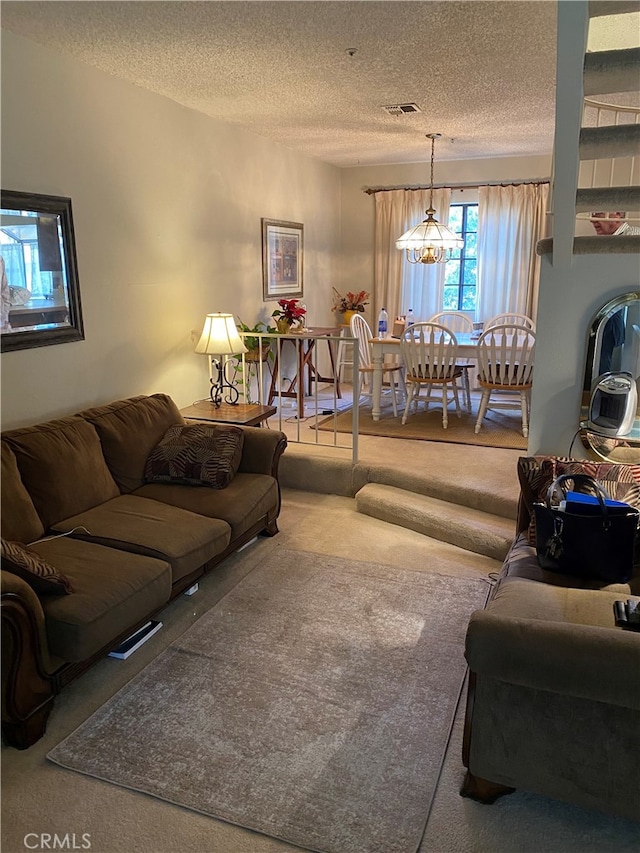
pixel 586 661
pixel 262 450
pixel 27 672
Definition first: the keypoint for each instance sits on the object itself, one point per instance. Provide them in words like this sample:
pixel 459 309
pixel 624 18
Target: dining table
pixel 467 348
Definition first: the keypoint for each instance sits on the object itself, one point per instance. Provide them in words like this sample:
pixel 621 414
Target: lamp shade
pixel 429 242
pixel 220 336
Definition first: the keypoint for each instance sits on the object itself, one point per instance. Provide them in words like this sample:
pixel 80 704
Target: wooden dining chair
pixel 429 352
pixel 456 321
pixel 392 370
pixel 505 363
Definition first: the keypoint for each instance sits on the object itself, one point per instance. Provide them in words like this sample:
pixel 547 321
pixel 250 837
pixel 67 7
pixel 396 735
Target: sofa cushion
pixel 113 591
pixel 247 500
pixel 522 562
pixel 62 467
pixel 29 565
pixel 131 523
pixel 129 430
pixel 20 521
pixel 197 454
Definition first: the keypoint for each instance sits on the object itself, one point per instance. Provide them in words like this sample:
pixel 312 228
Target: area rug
pixel 313 704
pixel 499 428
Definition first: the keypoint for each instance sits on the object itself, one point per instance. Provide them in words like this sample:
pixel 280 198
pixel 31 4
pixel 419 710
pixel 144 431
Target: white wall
pixel 167 206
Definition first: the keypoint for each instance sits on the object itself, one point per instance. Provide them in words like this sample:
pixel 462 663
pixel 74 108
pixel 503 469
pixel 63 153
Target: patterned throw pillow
pixel 40 575
pixel 196 454
pixel 619 480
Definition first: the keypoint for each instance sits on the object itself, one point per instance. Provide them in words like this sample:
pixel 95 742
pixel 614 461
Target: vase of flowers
pixel 289 312
pixel 350 303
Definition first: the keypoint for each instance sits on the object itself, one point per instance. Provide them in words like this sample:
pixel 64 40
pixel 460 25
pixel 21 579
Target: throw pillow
pixel 196 454
pixel 619 480
pixel 41 576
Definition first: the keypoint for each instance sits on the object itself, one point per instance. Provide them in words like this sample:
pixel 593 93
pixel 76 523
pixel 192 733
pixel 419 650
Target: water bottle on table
pixel 383 323
pixel 410 318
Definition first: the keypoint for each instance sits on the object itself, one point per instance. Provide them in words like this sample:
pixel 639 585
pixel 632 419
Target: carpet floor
pixel 313 704
pixel 499 428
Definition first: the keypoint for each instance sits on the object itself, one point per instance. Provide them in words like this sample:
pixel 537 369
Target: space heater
pixel 613 404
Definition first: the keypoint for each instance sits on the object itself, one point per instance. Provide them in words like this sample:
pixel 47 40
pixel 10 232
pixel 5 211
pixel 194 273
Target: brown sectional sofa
pixel 127 546
pixel 553 703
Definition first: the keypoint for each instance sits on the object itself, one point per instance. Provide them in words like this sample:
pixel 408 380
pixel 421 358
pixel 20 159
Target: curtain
pixel 398 284
pixel 511 220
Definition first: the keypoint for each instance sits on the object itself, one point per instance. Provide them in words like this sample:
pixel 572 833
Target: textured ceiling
pixel 483 73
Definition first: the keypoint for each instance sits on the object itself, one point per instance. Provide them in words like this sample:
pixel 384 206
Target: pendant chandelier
pixel 429 242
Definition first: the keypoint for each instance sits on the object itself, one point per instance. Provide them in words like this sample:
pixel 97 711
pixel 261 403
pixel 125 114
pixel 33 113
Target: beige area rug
pixel 500 428
pixel 313 704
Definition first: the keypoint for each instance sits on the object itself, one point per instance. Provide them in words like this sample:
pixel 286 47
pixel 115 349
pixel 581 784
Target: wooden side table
pixel 243 414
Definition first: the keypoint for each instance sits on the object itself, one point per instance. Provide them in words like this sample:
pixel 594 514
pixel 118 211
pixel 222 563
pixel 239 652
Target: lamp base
pixel 221 389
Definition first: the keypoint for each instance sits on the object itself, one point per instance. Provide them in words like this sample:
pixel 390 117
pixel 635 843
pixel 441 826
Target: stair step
pixel 601 8
pixel 611 71
pixel 599 143
pixel 605 199
pixel 471 529
pixel 596 245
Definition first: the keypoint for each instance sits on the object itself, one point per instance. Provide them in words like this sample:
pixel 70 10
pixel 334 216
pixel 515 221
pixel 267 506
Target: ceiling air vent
pixel 401 109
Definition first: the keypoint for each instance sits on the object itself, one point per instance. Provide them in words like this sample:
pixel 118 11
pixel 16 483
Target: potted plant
pixel 255 351
pixel 350 303
pixel 289 312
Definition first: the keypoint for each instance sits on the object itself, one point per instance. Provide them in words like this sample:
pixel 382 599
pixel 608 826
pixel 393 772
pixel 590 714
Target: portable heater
pixel 613 404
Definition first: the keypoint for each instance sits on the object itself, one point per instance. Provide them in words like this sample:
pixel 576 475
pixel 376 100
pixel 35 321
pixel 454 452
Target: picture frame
pixel 282 259
pixel 40 294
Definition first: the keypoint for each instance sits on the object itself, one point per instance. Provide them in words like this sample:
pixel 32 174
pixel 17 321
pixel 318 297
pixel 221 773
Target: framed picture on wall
pixel 282 259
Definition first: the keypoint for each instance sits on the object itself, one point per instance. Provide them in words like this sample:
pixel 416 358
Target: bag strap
pixel 578 480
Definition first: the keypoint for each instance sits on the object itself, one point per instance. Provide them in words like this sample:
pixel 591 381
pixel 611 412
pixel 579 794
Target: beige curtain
pixel 511 220
pixel 399 285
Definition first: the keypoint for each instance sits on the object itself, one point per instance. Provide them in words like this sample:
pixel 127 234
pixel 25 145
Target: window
pixel 461 271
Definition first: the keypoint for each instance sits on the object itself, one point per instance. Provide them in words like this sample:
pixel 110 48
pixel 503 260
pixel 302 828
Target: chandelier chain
pixel 433 145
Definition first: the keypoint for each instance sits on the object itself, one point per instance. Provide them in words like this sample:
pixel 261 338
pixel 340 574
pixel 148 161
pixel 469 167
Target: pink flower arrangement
pixel 351 301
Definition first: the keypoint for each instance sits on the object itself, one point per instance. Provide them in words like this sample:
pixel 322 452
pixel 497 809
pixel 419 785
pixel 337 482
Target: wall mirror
pixel 40 297
pixel 613 346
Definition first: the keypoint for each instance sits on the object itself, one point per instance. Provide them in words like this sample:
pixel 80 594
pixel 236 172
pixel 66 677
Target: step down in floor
pixel 471 529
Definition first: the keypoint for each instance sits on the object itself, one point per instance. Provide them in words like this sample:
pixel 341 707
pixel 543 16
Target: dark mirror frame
pixel 71 329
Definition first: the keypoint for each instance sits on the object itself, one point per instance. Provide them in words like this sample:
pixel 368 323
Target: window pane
pixel 455 218
pixel 469 272
pixel 472 217
pixel 450 299
pixel 452 272
pixel 471 244
pixel 468 299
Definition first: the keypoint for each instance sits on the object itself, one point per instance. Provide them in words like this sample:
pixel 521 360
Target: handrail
pixel 261 376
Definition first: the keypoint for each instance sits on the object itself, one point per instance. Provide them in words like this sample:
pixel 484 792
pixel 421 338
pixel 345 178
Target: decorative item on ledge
pixel 220 338
pixel 290 312
pixel 349 304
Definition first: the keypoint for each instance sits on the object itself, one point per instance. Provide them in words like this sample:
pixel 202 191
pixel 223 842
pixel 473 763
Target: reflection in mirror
pixel 40 295
pixel 613 348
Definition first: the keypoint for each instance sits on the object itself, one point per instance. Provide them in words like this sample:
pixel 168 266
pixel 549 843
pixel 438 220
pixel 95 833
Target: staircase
pixel 597 148
pixel 475 514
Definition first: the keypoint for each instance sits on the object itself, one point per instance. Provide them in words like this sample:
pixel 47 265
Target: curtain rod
pixel 473 186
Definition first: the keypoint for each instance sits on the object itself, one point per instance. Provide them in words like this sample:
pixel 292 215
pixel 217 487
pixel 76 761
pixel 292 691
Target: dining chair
pixel 505 363
pixel 429 351
pixel 517 319
pixel 456 321
pixel 361 330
